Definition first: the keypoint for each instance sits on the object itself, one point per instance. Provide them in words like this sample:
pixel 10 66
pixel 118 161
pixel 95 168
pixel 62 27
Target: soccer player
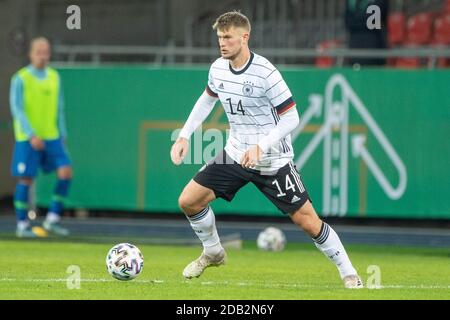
pixel 261 112
pixel 39 128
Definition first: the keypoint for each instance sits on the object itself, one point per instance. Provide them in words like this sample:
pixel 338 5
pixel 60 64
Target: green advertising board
pixel 371 143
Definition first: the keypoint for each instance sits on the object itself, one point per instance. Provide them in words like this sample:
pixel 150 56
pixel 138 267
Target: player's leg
pixel 220 178
pixel 21 206
pixel 56 208
pixel 327 241
pixel 286 190
pixel 24 167
pixel 194 198
pixel 194 201
pixel 56 158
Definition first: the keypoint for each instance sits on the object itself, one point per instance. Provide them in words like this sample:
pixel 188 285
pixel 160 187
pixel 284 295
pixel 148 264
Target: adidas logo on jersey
pixel 295 199
pixel 221 86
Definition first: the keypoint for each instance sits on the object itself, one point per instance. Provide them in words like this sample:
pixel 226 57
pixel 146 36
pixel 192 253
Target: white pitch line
pixel 241 283
pixel 82 280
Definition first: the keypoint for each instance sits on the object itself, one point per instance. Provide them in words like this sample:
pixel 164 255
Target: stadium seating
pixel 396 32
pixel 326 61
pixel 396 28
pixel 419 29
pixel 441 36
pixel 418 33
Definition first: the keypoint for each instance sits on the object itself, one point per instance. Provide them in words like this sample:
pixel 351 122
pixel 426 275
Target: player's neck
pixel 241 60
pixel 38 67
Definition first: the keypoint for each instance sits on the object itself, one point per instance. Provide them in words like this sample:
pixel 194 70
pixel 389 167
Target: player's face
pixel 231 42
pixel 40 54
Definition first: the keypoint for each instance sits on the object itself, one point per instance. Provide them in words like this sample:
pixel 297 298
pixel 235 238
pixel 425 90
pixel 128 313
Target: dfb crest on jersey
pixel 247 89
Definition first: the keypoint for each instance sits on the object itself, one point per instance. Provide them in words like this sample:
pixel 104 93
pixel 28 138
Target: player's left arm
pixel 61 113
pixel 280 97
pixel 289 120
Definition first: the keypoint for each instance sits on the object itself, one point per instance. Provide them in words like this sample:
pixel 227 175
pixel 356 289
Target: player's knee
pixel 26 181
pixel 186 203
pixel 65 173
pixel 183 202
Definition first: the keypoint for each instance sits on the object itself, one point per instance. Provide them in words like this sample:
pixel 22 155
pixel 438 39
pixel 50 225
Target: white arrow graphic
pixel 359 149
pixel 314 109
pixel 379 135
pixel 312 145
pixel 334 132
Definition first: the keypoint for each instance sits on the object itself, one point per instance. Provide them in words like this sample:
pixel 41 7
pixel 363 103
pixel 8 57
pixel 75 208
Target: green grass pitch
pixel 38 270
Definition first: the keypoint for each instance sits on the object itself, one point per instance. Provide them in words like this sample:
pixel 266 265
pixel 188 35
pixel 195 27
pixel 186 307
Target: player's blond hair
pixel 231 19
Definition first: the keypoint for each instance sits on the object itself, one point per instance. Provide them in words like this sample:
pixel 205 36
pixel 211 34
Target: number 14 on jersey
pixel 239 109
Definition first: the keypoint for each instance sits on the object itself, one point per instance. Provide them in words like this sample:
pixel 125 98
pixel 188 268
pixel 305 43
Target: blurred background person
pixel 36 102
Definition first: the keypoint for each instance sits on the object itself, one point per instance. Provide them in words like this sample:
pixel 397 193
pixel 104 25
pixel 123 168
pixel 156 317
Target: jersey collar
pixel 39 73
pixel 243 69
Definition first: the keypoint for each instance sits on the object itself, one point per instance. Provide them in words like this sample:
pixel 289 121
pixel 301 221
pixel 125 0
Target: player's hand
pixel 179 150
pixel 251 157
pixel 37 143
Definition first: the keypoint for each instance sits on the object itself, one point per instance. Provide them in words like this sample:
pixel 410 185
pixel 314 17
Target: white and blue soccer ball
pixel 271 239
pixel 124 261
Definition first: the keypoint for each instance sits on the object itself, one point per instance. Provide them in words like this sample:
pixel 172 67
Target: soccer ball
pixel 271 239
pixel 124 261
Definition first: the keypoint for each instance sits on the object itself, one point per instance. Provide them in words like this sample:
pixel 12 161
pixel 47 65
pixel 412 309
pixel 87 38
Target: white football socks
pixel 329 243
pixel 204 225
pixel 23 224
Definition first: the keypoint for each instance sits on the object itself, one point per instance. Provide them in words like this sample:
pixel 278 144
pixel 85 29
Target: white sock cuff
pixel 200 215
pixel 23 224
pixel 323 234
pixel 213 249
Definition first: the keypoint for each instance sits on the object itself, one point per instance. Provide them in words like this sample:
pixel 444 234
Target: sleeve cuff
pixel 210 92
pixel 264 144
pixel 285 106
pixel 184 134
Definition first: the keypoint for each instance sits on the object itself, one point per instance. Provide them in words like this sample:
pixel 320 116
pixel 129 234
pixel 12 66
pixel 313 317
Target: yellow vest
pixel 40 102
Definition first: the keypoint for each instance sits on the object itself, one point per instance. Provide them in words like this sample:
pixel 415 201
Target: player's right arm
pixel 18 112
pixel 199 113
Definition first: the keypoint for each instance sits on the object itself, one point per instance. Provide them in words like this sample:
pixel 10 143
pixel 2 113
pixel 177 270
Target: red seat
pixel 441 37
pixel 441 34
pixel 418 33
pixel 407 62
pixel 443 62
pixel 396 28
pixel 325 61
pixel 419 29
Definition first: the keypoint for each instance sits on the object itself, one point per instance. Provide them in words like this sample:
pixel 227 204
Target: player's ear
pixel 245 37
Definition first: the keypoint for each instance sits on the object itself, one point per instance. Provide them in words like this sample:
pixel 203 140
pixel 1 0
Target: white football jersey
pixel 253 98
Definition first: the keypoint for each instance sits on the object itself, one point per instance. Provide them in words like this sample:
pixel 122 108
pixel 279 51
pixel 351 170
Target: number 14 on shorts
pixel 289 185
